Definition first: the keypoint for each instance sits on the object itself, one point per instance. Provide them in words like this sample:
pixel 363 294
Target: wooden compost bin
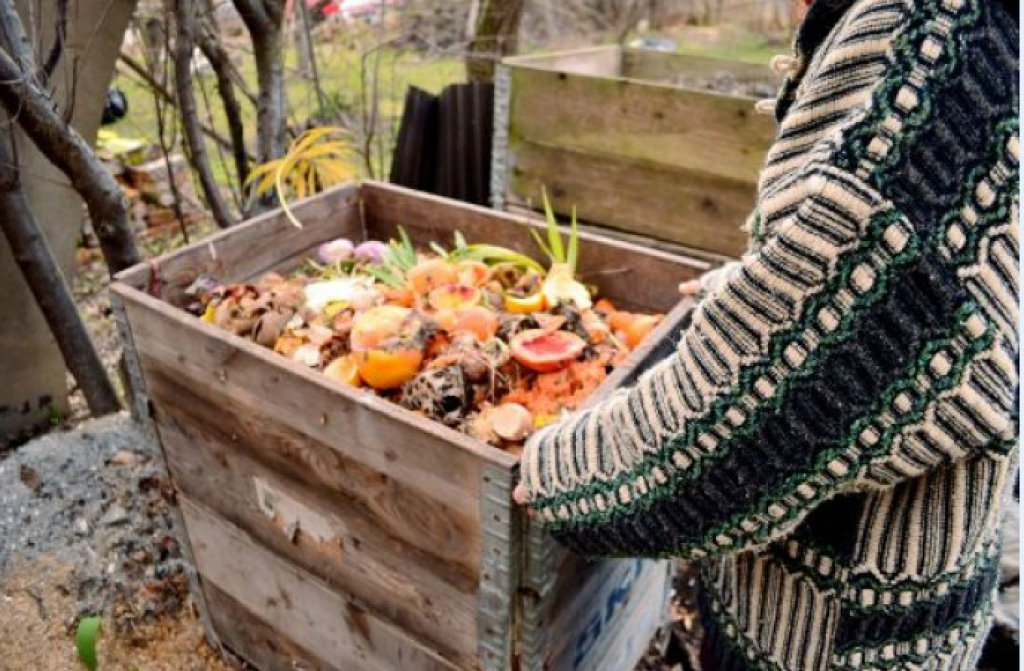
pixel 626 137
pixel 332 529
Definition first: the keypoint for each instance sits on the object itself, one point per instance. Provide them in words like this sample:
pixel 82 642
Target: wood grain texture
pixel 298 607
pixel 634 153
pixel 396 553
pixel 629 274
pixel 253 248
pixel 660 66
pixel 377 507
pixel 647 123
pixel 603 61
pixel 662 202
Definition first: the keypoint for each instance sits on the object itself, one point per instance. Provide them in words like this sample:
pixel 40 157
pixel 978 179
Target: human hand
pixel 690 288
pixel 519 495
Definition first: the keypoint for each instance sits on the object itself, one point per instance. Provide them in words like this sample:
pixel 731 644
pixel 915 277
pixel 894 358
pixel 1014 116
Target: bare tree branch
pixel 14 32
pixel 219 60
pixel 59 39
pixel 263 18
pixel 23 99
pixel 200 160
pixel 47 283
pixel 140 70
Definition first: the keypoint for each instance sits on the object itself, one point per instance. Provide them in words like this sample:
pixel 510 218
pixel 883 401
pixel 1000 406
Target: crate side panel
pixel 295 605
pixel 361 533
pixel 595 61
pixel 358 425
pixel 695 131
pixel 630 274
pixel 604 614
pixel 662 202
pixel 659 66
pixel 246 251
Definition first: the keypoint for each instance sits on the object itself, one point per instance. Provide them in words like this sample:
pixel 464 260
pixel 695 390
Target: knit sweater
pixel 835 436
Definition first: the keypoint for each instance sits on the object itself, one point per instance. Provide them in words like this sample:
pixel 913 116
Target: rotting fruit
pixel 481 338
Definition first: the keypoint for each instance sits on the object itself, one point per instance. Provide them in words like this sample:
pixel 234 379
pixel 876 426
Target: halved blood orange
pixel 546 351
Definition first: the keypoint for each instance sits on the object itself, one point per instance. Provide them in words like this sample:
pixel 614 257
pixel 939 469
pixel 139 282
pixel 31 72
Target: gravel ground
pixel 86 528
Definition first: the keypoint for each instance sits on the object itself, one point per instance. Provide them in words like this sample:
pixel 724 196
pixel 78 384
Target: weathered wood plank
pixel 647 123
pixel 664 203
pixel 250 249
pixel 629 274
pixel 357 424
pixel 299 607
pixel 659 66
pixel 597 61
pixel 394 552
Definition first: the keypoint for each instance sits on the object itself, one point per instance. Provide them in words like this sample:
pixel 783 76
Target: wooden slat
pixel 628 274
pixel 664 202
pixel 659 66
pixel 295 605
pixel 597 61
pixel 254 247
pixel 362 533
pixel 357 424
pixel 646 123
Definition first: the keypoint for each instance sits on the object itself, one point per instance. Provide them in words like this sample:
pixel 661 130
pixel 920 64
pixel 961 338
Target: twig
pixel 139 70
pixel 200 161
pixel 219 61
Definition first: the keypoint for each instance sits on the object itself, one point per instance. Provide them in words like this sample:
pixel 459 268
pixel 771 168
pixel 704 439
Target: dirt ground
pixel 38 633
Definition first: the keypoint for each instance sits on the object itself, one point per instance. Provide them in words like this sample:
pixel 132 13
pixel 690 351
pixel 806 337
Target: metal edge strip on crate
pixel 499 570
pixel 539 582
pixel 499 142
pixel 139 405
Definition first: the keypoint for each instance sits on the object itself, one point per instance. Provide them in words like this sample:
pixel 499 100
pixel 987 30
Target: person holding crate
pixel 836 435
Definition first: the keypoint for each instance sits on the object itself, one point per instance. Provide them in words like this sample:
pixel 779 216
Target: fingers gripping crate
pixel 332 529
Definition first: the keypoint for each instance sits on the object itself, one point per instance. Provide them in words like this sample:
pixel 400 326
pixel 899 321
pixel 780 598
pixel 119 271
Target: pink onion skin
pixel 371 251
pixel 335 251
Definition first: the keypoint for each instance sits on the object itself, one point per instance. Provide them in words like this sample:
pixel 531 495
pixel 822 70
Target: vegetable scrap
pixel 478 337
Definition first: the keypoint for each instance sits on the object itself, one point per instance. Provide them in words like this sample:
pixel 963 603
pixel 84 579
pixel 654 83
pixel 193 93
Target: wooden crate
pixel 610 131
pixel 333 529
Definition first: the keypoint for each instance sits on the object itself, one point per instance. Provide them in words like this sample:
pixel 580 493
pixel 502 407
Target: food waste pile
pixel 478 337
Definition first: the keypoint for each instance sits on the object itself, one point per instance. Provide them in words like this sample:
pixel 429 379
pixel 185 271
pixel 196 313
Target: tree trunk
pixel 45 280
pixel 184 48
pixel 32 369
pixel 220 62
pixel 496 36
pixel 264 20
pixel 32 106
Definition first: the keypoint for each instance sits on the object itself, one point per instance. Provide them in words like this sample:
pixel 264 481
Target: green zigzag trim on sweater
pixel 867 581
pixel 906 52
pixel 868 245
pixel 997 212
pixel 932 634
pixel 883 445
pixel 921 403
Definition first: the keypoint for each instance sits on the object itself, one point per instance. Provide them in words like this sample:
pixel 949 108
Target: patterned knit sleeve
pixel 850 351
